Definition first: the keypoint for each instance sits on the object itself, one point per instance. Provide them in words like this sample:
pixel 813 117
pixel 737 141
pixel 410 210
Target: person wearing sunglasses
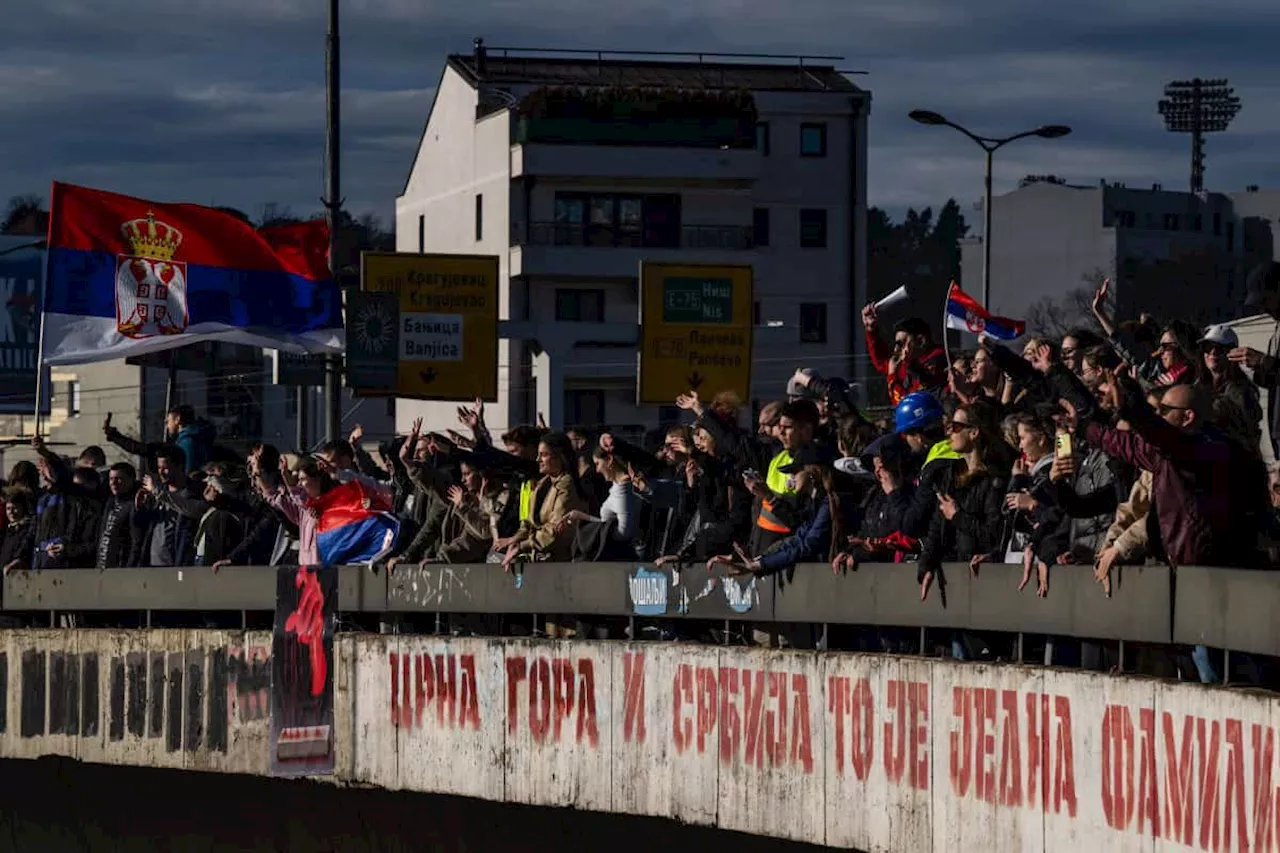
pixel 967 523
pixel 912 362
pixel 1208 492
pixel 1228 382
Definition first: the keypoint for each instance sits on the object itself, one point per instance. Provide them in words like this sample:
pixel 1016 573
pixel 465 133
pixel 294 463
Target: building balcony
pixel 574 250
pixel 735 166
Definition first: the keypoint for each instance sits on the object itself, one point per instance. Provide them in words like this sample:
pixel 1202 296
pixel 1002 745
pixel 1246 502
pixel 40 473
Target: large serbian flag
pixel 964 313
pixel 128 277
pixel 355 525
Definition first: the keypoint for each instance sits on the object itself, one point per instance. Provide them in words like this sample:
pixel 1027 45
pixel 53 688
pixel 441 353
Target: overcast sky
pixel 222 101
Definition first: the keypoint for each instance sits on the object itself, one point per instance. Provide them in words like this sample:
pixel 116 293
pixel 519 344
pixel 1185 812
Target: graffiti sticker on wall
pixel 302 671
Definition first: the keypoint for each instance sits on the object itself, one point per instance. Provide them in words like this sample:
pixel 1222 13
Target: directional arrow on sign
pixel 428 375
pixel 695 380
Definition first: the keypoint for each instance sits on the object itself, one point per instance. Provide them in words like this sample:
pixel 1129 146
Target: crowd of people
pixel 1111 445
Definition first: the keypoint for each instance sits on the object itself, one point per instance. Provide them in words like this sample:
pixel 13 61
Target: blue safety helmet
pixel 917 411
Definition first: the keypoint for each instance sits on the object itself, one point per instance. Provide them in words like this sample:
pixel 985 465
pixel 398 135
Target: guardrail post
pixel 1121 656
pixel 1020 636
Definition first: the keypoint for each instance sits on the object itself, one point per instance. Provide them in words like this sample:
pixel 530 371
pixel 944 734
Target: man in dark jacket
pixel 66 516
pixel 1208 492
pixel 119 540
pixel 169 510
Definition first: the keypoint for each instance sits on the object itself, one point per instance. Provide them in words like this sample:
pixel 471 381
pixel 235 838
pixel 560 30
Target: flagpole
pixel 40 302
pixel 946 343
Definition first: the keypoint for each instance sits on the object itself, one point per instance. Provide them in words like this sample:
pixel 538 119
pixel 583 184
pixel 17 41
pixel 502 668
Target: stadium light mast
pixel 1198 107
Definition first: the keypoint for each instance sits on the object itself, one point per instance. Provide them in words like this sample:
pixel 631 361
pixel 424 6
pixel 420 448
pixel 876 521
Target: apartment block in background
pixel 574 167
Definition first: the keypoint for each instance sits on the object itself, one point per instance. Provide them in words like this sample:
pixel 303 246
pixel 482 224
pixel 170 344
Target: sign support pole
pixel 333 206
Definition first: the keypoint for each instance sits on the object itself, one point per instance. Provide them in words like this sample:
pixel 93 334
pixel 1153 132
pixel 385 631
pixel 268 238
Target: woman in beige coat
pixel 542 538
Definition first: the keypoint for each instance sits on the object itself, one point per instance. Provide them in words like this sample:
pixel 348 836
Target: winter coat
pixel 69 518
pixel 1128 533
pixel 976 528
pixel 539 536
pixel 119 540
pixel 1208 492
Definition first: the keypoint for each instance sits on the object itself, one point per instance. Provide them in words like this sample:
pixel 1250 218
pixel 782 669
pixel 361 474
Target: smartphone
pixel 1063 445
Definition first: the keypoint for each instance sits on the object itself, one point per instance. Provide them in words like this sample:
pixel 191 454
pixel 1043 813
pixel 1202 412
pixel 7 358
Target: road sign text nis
pixel 697 300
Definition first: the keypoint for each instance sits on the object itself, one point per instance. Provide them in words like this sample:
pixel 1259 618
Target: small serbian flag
pixel 964 313
pixel 354 525
pixel 128 277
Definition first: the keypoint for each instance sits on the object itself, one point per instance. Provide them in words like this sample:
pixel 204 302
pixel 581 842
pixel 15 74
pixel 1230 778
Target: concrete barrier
pixel 865 751
pixel 875 594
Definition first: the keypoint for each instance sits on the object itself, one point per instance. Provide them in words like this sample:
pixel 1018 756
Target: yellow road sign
pixel 448 323
pixel 695 331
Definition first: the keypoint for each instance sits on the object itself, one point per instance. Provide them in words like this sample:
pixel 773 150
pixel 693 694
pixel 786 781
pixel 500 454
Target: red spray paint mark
pixel 633 703
pixel 307 621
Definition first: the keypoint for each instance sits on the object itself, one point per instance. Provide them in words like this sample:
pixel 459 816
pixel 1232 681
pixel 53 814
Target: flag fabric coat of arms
pixel 129 277
pixel 966 314
pixel 355 525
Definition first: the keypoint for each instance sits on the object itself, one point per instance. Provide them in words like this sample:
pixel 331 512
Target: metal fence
pixel 1224 608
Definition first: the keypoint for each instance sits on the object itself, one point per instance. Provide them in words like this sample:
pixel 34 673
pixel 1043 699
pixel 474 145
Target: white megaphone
pixel 899 295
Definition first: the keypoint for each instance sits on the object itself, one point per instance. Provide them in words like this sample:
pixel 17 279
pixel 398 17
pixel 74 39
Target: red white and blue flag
pixel 129 277
pixel 355 525
pixel 966 314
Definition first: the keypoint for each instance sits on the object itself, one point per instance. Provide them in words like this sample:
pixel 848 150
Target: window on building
pixel 73 398
pixel 813 139
pixel 1125 219
pixel 1171 222
pixel 762 138
pixel 1217 225
pixel 1231 235
pixel 584 406
pixel 422 233
pixel 813 323
pixel 611 219
pixel 579 306
pixel 755 313
pixel 479 217
pixel 813 228
pixel 1197 224
pixel 760 226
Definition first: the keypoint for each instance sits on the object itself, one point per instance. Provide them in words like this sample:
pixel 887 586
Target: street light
pixel 989 145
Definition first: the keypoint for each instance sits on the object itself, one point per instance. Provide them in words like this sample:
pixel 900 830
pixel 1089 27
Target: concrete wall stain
pixel 187 698
pixel 33 693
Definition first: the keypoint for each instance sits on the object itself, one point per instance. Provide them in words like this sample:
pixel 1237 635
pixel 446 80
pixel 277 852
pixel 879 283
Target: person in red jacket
pixel 913 362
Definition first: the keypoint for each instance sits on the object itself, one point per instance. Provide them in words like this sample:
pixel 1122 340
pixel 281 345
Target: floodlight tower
pixel 1198 107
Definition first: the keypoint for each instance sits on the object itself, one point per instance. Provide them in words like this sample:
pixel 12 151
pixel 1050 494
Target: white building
pixel 571 207
pixel 1259 212
pixel 1174 254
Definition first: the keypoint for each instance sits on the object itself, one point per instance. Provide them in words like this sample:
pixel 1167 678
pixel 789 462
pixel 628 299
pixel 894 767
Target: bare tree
pixel 25 212
pixel 1046 318
pixel 274 213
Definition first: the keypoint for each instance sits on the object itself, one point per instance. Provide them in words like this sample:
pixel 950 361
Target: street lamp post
pixel 990 145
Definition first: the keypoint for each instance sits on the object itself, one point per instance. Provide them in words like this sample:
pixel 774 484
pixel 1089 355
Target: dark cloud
pixel 222 100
